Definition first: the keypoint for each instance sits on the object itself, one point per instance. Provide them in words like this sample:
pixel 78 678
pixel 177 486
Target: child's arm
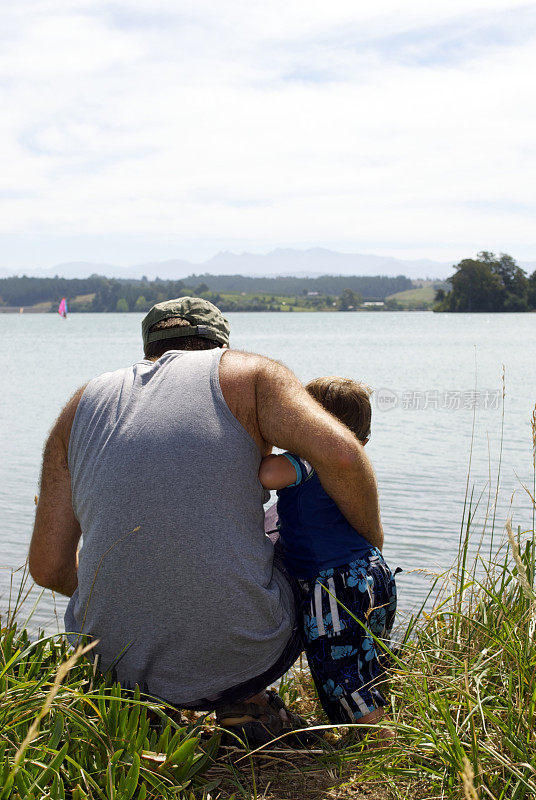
pixel 276 472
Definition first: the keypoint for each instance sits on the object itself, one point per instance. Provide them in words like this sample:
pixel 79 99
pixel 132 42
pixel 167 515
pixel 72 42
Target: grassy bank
pixel 463 689
pixel 462 705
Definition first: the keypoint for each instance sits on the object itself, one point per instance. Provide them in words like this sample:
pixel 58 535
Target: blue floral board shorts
pixel 346 662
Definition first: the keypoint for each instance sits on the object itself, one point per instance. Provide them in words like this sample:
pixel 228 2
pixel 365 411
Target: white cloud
pixel 281 123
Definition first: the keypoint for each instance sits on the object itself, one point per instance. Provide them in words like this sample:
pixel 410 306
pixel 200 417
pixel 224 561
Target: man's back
pixel 175 574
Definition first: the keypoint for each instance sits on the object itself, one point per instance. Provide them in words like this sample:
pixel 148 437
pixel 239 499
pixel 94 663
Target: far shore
pixel 26 309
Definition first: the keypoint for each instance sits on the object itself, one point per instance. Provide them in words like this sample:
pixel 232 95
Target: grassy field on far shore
pixel 420 296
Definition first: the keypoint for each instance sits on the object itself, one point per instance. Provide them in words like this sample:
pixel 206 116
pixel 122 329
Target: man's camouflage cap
pixel 204 318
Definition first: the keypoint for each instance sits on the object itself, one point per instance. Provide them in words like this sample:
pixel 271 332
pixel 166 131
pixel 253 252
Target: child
pixel 324 552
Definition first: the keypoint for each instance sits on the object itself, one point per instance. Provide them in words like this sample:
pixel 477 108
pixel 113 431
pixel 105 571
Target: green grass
pixel 277 302
pixel 66 733
pixel 463 687
pixel 424 295
pixel 462 706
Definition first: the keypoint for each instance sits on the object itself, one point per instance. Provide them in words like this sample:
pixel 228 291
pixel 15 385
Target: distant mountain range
pixel 300 263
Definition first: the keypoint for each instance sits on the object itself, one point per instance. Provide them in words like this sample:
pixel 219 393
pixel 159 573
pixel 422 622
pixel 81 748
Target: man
pixel 156 466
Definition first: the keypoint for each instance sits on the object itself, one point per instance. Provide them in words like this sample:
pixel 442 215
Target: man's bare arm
pixel 291 419
pixel 56 533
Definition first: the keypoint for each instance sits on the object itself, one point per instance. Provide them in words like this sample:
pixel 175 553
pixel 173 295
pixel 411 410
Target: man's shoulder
pixel 240 376
pixel 253 365
pixel 238 371
pixel 239 366
pixel 244 359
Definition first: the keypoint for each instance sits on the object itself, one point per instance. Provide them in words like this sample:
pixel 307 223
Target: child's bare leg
pixel 381 737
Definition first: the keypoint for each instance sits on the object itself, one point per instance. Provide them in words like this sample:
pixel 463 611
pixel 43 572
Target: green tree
pixel 531 291
pixel 141 303
pixel 349 301
pixel 393 305
pixel 475 287
pixel 122 305
pixel 440 296
pixel 514 280
pixel 487 283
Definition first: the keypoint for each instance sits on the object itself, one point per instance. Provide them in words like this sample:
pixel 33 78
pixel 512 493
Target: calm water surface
pixel 430 374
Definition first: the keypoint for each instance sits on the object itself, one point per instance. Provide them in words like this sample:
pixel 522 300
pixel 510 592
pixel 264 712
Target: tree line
pixel 371 287
pixel 488 283
pixel 98 293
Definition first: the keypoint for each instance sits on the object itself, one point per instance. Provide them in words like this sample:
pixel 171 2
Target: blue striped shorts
pixel 348 663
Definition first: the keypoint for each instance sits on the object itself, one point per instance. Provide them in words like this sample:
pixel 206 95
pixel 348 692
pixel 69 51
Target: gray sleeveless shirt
pixel 176 575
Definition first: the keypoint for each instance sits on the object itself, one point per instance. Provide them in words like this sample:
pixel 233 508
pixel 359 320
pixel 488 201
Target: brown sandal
pixel 259 724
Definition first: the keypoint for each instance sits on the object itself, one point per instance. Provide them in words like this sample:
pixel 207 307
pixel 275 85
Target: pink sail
pixel 62 310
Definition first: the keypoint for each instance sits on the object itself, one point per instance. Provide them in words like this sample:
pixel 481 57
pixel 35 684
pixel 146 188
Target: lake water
pixel 431 374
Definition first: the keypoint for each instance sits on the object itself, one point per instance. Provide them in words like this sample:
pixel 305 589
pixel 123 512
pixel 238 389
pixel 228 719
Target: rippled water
pixel 423 367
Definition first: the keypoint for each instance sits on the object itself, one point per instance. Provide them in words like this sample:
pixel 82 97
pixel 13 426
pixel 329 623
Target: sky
pixel 159 129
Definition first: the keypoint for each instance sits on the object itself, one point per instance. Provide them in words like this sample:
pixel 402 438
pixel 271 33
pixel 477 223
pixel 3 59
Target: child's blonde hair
pixel 347 400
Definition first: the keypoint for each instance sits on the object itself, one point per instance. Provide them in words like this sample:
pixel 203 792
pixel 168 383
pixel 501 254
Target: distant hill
pixel 319 261
pixel 313 263
pixel 69 270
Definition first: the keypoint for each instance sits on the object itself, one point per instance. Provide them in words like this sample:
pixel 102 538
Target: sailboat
pixel 62 309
